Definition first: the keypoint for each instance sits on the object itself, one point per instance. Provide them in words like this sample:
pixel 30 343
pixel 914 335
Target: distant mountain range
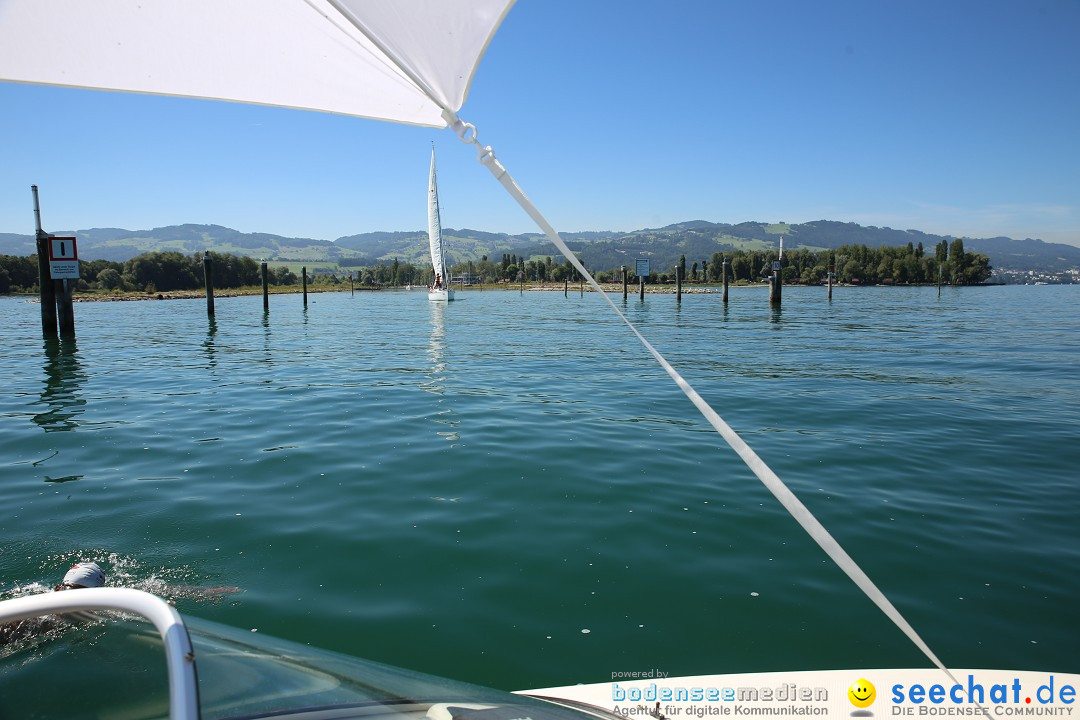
pixel 697 240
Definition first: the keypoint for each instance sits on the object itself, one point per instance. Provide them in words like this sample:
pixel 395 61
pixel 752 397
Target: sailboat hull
pixel 440 295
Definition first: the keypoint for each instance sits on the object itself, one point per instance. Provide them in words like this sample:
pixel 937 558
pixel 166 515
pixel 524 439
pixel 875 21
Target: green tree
pixel 958 261
pixel 740 267
pixel 853 272
pixel 282 276
pixel 164 270
pixel 941 251
pixel 109 279
pixel 21 272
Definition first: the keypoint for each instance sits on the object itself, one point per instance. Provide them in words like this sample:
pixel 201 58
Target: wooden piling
pixel 641 287
pixel 723 269
pixel 266 288
pixel 303 273
pixel 678 285
pixel 776 286
pixel 65 306
pixel 46 289
pixel 624 283
pixel 832 271
pixel 352 290
pixel 566 287
pixel 208 277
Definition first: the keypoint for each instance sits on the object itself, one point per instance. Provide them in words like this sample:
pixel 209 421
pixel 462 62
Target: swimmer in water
pixel 81 575
pixel 90 575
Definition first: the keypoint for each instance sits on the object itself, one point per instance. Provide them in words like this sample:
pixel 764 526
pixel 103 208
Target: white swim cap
pixel 85 574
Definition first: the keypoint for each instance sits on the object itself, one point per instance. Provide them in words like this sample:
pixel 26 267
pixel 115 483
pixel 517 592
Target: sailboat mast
pixel 435 224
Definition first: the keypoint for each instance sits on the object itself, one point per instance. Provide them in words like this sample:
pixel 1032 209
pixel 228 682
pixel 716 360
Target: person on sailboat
pixel 438 281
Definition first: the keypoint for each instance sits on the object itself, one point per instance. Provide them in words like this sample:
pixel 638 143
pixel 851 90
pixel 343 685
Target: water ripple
pixel 486 479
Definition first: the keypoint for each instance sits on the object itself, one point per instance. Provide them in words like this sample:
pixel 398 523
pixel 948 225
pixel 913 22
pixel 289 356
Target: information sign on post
pixel 63 258
pixel 641 268
pixel 775 265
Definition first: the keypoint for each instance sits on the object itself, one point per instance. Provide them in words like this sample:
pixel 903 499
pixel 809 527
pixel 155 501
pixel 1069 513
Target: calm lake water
pixel 509 490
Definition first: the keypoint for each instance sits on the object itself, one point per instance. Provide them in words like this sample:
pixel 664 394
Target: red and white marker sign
pixel 63 258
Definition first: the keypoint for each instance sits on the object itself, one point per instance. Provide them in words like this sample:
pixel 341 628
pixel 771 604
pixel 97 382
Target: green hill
pixel 696 239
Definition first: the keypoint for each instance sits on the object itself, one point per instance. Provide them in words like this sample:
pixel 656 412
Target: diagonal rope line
pixel 776 486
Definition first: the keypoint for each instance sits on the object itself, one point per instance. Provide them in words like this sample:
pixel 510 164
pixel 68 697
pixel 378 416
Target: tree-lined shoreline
pixel 157 273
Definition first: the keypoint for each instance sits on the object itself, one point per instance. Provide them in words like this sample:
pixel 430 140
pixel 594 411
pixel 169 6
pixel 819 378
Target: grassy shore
pixel 611 288
pixel 121 296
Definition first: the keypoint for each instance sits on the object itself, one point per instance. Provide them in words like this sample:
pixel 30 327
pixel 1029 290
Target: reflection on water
pixel 64 479
pixel 437 347
pixel 436 377
pixel 208 344
pixel 268 357
pixel 565 428
pixel 64 377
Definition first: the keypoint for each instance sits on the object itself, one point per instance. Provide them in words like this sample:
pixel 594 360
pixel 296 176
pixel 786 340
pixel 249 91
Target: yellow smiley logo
pixel 861 693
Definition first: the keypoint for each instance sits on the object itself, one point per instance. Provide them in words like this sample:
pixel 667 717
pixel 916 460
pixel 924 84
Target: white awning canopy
pixel 398 60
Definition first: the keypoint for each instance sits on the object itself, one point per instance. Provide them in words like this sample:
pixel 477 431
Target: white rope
pixel 776 486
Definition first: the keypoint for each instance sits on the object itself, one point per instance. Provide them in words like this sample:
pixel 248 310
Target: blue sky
pixel 950 117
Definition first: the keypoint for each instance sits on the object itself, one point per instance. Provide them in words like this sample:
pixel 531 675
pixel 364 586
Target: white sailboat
pixel 440 289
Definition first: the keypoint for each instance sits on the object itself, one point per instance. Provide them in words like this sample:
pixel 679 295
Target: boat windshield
pixel 117 669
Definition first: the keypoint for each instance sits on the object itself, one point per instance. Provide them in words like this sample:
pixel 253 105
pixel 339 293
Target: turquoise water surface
pixel 509 490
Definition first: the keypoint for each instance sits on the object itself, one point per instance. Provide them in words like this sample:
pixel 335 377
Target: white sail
pixel 434 222
pixel 440 291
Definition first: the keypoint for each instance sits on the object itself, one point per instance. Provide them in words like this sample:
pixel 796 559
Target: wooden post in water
pixel 566 286
pixel 56 295
pixel 832 270
pixel 303 273
pixel 678 285
pixel 641 287
pixel 65 307
pixel 581 285
pixel 352 290
pixel 266 288
pixel 723 269
pixel 208 277
pixel 624 283
pixel 46 289
pixel 776 287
